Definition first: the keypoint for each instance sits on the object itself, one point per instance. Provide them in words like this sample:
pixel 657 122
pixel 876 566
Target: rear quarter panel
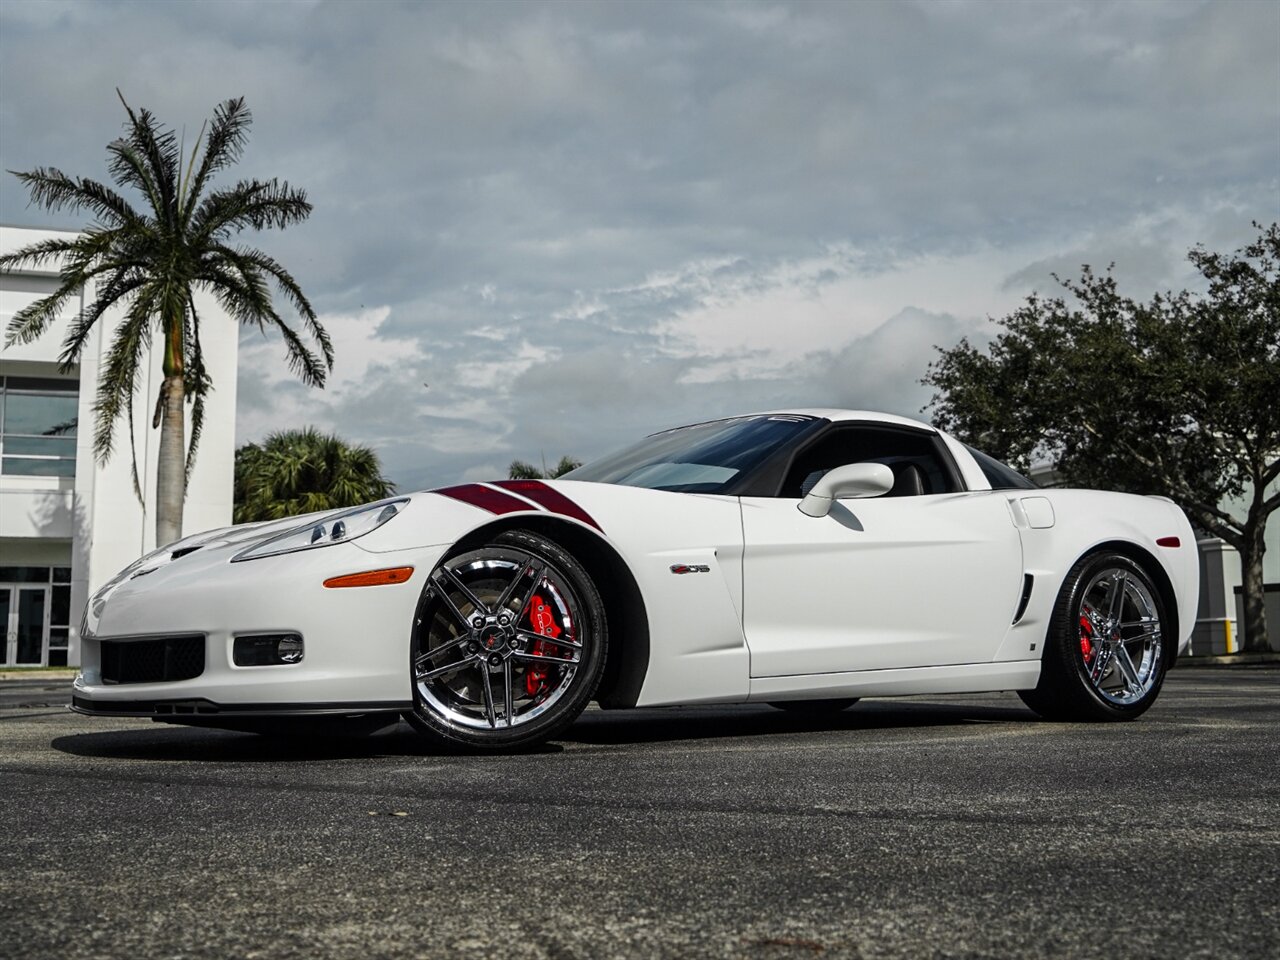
pixel 1084 521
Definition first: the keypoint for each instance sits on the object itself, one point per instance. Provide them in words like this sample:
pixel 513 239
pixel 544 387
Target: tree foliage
pixel 1178 395
pixel 151 260
pixel 520 470
pixel 302 471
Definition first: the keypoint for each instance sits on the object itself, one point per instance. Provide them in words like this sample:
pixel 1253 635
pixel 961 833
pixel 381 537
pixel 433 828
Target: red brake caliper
pixel 543 623
pixel 1086 638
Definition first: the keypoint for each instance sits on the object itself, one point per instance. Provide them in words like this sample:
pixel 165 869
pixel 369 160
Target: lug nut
pixel 495 660
pixel 478 622
pixel 504 621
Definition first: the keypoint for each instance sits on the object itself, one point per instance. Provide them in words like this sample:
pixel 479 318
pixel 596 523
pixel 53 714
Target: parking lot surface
pixel 926 827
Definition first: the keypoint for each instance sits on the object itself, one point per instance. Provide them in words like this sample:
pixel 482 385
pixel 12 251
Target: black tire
pixel 1082 676
pixel 548 652
pixel 813 708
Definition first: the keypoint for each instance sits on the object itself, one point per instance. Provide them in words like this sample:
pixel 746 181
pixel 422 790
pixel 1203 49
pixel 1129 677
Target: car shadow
pixel 595 728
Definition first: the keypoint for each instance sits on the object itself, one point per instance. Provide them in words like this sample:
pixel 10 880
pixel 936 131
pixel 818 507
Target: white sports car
pixel 802 559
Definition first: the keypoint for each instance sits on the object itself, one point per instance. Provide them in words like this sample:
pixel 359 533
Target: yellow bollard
pixel 1231 640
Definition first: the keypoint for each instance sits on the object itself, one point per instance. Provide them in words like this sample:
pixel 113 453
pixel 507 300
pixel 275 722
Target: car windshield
pixel 703 458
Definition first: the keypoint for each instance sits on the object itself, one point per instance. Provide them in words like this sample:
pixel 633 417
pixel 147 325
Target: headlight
pixel 340 528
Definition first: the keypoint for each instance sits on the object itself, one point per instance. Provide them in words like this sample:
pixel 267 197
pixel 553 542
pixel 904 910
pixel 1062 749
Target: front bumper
pixel 356 639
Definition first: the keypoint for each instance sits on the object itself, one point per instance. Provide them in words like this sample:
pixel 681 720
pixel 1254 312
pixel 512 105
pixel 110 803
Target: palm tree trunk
pixel 171 480
pixel 171 467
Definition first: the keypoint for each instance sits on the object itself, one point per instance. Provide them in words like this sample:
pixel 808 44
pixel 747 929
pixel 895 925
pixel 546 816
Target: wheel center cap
pixel 492 638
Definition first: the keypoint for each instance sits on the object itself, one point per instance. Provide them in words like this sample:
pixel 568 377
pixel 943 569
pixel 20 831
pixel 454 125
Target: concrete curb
pixel 1229 660
pixel 69 674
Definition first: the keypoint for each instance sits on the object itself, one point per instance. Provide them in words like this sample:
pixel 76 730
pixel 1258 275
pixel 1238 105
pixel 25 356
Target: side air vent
pixel 1027 581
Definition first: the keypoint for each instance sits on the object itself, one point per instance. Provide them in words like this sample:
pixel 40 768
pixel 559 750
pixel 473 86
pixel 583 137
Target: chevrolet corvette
pixel 803 559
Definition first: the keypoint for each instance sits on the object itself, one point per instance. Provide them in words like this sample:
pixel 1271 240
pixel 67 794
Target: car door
pixel 926 575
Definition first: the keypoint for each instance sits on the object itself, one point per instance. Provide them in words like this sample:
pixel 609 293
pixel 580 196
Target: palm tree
pixel 520 470
pixel 151 261
pixel 302 471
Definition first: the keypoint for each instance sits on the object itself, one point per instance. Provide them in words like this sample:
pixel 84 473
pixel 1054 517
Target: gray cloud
pixel 579 221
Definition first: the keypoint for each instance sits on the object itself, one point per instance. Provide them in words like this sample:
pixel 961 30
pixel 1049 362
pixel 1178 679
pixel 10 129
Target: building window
pixel 60 617
pixel 38 427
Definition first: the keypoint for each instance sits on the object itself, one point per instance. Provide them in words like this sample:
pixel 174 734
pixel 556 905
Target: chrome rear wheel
pixel 1121 641
pixel 1108 643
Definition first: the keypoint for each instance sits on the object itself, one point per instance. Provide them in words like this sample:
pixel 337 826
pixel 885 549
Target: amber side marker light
pixel 1168 542
pixel 371 578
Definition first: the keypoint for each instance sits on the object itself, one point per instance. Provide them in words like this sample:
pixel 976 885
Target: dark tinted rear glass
pixel 999 475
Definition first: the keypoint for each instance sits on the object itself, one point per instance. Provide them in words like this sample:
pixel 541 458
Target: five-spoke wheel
pixel 1105 654
pixel 508 644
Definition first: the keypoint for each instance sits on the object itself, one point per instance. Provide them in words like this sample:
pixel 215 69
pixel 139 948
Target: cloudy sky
pixel 547 228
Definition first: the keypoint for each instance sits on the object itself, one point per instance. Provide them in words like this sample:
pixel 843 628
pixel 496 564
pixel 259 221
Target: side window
pixel 917 464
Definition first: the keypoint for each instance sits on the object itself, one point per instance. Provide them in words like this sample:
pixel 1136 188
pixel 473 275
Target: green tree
pixel 302 471
pixel 1178 396
pixel 520 470
pixel 151 261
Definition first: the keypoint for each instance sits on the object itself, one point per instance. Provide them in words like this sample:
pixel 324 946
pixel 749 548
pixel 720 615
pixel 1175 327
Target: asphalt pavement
pixel 926 827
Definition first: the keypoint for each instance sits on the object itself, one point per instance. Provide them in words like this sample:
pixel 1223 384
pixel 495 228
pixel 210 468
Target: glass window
pixel 30 467
pixel 40 414
pixel 61 574
pixel 703 458
pixel 60 606
pixel 40 446
pixel 24 574
pixel 38 421
pixel 918 466
pixel 999 475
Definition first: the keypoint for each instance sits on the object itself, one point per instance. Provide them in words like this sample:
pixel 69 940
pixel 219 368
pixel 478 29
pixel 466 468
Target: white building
pixel 67 522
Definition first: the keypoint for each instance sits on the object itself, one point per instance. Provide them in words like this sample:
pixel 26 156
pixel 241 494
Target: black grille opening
pixel 153 660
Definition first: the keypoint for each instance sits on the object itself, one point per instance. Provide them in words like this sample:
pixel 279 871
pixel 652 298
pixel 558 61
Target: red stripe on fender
pixel 553 500
pixel 485 498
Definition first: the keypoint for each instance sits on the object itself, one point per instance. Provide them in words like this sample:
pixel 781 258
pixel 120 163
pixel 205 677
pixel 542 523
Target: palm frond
pixel 54 190
pixel 34 319
pixel 129 168
pixel 118 380
pixel 162 153
pixel 245 296
pixel 251 204
pixel 301 360
pixel 227 137
pixel 196 382
pixel 123 282
pixel 244 256
pixel 38 254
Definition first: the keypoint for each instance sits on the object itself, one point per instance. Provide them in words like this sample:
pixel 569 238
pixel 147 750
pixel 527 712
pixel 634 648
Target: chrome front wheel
pixel 508 644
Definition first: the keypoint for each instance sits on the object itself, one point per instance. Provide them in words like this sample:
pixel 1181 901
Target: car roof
pixel 836 415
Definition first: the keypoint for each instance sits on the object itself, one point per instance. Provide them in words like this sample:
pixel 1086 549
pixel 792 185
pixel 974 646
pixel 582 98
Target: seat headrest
pixel 908 480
